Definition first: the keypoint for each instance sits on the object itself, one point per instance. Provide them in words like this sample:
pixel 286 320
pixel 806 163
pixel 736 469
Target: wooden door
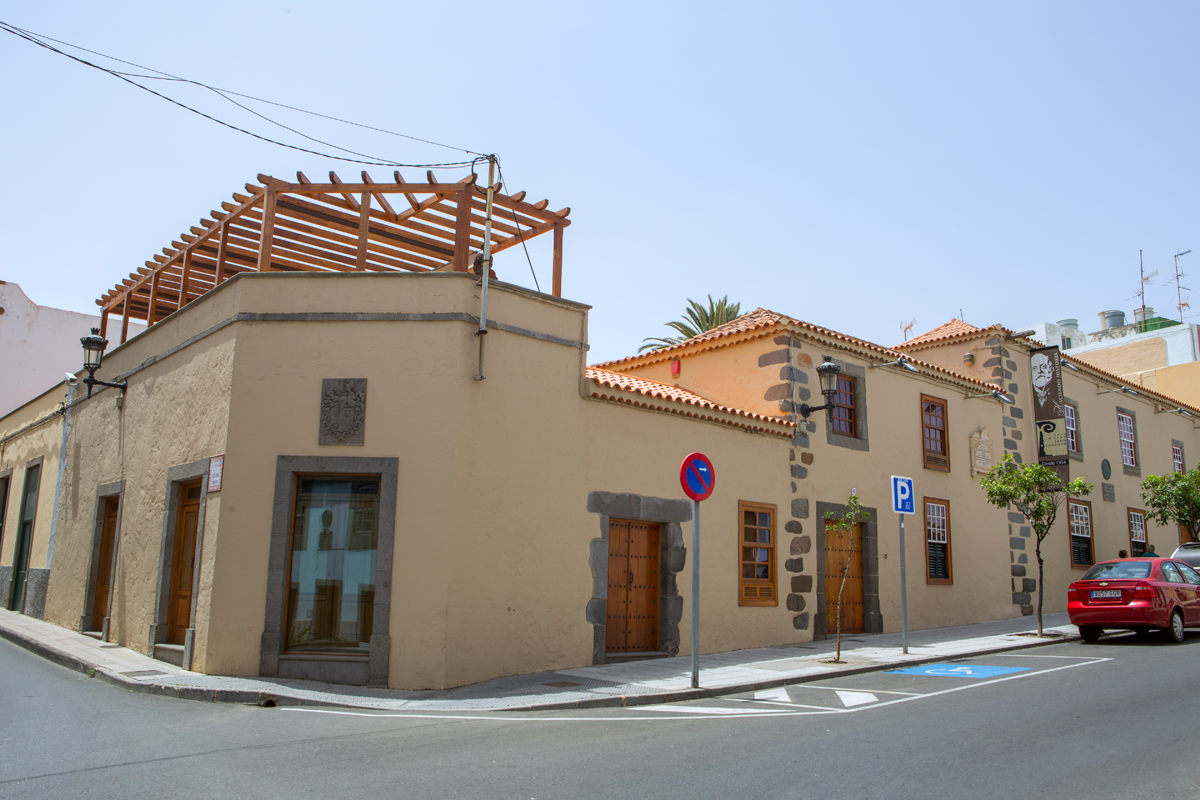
pixel 633 576
pixel 24 543
pixel 108 537
pixel 183 563
pixel 841 558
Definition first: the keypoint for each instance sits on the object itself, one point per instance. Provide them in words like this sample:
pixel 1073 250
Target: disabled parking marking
pixel 958 670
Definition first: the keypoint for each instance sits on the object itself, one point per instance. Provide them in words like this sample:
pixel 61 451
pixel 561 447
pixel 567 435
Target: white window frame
pixel 1072 425
pixel 1137 525
pixel 1080 522
pixel 1177 458
pixel 1128 440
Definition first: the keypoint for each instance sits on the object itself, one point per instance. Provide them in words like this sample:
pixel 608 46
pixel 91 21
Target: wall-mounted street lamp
pixel 995 394
pixel 901 362
pixel 93 354
pixel 828 374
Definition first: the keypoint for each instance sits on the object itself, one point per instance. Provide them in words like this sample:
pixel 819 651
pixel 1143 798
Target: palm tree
pixel 698 319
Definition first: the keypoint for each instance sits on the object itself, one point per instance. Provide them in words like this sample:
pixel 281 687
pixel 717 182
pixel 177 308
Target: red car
pixel 1136 594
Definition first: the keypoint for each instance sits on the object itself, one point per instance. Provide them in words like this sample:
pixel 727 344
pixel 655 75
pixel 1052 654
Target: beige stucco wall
pixel 1181 381
pixel 1128 359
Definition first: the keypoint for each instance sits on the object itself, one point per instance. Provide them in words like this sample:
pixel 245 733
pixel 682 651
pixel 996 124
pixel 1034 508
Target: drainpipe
pixel 62 466
pixel 487 262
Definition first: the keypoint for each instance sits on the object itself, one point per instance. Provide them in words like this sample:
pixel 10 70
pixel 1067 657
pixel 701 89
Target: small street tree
pixel 845 525
pixel 1174 499
pixel 1037 492
pixel 698 319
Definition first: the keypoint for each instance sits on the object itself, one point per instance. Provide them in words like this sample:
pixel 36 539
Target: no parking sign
pixel 697 477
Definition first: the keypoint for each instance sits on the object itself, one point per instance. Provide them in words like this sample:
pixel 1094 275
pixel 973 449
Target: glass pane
pixel 335 534
pixel 747 571
pixel 761 572
pixel 747 554
pixel 764 519
pixel 748 518
pixel 764 536
pixel 1170 573
pixel 762 554
pixel 751 535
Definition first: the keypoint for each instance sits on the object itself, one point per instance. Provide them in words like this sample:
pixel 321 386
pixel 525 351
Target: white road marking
pixel 779 695
pixel 721 711
pixel 711 712
pixel 876 691
pixel 851 699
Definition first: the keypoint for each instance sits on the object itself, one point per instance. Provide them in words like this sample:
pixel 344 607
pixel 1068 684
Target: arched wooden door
pixel 633 587
pixel 843 555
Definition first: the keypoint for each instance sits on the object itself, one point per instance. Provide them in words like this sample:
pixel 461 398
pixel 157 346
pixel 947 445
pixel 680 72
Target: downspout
pixel 62 467
pixel 487 262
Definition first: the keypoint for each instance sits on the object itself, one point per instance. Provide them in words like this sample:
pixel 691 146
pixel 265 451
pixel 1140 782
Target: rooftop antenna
pixel 1141 292
pixel 1181 304
pixel 905 327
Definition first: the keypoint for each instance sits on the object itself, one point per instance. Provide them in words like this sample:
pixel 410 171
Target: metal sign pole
pixel 695 594
pixel 903 590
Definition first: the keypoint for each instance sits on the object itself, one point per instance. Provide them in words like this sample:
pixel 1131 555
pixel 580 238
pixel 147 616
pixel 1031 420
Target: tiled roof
pixel 665 391
pixel 761 319
pixel 952 328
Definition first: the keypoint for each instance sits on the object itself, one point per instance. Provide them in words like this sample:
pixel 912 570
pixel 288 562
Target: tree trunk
pixel 1037 549
pixel 841 589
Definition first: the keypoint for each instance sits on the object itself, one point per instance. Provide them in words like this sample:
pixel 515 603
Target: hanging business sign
pixel 1049 416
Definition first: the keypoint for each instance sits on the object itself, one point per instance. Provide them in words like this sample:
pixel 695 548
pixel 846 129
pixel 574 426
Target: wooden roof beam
pixel 412 200
pixel 380 198
pixel 351 199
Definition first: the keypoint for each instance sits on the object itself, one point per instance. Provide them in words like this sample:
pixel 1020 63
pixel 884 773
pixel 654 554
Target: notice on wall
pixel 1049 417
pixel 216 469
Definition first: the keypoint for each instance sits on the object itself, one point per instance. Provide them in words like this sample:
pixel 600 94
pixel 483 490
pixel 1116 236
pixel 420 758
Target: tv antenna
pixel 1181 304
pixel 1141 292
pixel 906 327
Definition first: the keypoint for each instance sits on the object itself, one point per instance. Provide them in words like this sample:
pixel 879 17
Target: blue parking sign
pixel 902 495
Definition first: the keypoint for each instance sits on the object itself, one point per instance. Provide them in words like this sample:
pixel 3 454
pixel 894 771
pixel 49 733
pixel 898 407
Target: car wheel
pixel 1090 633
pixel 1175 629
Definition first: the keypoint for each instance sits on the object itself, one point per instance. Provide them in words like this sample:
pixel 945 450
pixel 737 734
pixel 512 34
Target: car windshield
pixel 1119 569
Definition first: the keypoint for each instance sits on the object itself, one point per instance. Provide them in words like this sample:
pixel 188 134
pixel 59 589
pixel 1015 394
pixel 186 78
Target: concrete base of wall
pixel 37 583
pixel 345 670
pixel 6 574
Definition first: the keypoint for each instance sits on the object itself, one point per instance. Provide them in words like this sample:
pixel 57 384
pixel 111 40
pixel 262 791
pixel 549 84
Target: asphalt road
pixel 1113 720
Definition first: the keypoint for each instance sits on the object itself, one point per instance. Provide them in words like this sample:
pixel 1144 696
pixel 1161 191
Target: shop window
pixel 757 579
pixel 1080 517
pixel 934 428
pixel 1137 532
pixel 331 587
pixel 937 542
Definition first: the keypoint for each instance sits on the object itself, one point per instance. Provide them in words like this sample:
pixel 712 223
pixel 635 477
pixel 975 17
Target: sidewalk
pixel 630 683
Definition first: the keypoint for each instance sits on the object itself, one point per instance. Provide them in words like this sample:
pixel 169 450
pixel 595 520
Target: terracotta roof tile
pixel 665 391
pixel 952 328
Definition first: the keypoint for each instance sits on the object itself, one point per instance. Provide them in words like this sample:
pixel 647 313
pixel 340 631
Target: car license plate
pixel 1105 594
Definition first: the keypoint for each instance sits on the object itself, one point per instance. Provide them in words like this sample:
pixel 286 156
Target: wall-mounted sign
pixel 216 470
pixel 697 477
pixel 1106 469
pixel 1049 416
pixel 981 452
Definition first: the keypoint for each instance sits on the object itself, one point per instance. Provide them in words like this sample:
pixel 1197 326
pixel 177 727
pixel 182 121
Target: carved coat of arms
pixel 343 411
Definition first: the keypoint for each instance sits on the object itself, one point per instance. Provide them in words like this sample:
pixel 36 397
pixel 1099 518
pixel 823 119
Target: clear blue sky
pixel 851 164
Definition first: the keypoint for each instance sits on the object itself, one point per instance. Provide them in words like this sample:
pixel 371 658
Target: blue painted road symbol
pixel 697 477
pixel 958 670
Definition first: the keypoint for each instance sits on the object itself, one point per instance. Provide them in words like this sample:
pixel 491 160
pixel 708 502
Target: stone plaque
pixel 981 453
pixel 343 411
pixel 1109 492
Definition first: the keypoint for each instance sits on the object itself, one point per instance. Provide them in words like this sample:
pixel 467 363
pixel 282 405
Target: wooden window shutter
pixel 934 433
pixel 758 577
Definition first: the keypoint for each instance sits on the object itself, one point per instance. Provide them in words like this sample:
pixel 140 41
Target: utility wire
pixel 519 233
pixel 127 77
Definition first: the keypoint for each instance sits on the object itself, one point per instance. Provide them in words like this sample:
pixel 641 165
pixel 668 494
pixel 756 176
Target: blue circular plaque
pixel 1106 469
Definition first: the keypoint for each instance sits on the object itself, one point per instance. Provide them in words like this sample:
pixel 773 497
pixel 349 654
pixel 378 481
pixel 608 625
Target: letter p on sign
pixel 902 495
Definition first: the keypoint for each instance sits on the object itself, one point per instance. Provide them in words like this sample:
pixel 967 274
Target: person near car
pixel 1122 554
pixel 1150 552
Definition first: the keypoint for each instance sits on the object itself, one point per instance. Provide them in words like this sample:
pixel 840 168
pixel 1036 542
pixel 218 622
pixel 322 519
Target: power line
pixel 128 78
pixel 520 235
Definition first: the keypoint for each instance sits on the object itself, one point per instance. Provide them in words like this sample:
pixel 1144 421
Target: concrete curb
pixel 271 699
pixel 703 694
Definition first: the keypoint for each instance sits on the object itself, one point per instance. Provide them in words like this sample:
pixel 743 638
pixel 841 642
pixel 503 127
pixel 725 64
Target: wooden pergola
pixel 332 227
